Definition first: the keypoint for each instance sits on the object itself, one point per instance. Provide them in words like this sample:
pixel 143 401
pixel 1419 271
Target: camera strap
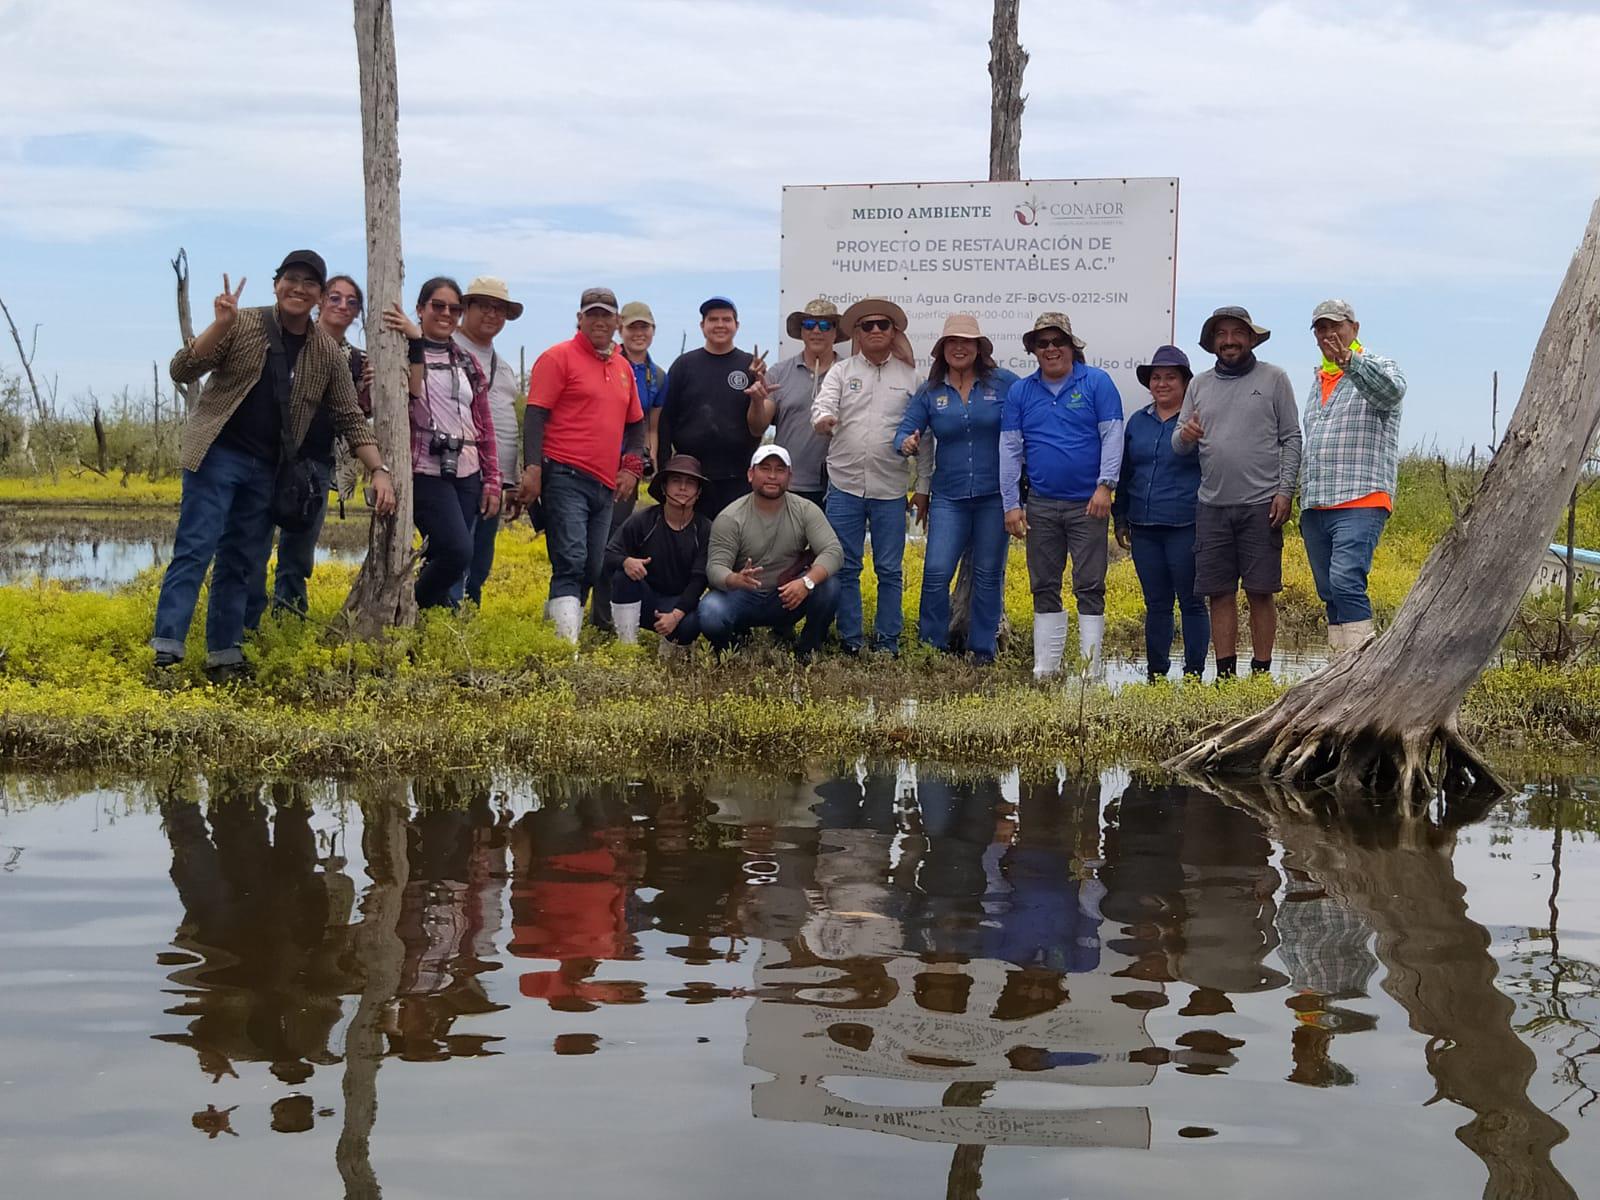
pixel 282 383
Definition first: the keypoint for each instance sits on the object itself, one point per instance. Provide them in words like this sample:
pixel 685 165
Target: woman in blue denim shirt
pixel 1154 516
pixel 961 403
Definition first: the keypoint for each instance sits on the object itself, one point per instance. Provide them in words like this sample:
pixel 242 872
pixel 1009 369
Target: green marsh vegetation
pixel 495 686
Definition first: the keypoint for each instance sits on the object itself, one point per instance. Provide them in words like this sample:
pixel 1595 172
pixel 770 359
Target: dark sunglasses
pixel 1049 343
pixel 875 325
pixel 441 306
pixel 813 323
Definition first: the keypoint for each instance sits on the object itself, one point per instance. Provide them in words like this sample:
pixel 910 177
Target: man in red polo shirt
pixel 582 403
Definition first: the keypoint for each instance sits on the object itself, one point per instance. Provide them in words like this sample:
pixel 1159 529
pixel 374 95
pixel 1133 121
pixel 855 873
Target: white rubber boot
pixel 1338 643
pixel 567 613
pixel 625 620
pixel 1049 640
pixel 1358 633
pixel 1091 633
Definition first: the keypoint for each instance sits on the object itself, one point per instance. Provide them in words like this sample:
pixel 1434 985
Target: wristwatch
pixel 384 467
pixel 811 584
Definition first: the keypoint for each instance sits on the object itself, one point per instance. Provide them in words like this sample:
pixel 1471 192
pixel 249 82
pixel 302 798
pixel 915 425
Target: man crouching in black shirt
pixel 657 559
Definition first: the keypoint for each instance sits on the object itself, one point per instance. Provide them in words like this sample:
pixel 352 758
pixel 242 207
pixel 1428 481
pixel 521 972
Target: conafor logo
pixel 1027 213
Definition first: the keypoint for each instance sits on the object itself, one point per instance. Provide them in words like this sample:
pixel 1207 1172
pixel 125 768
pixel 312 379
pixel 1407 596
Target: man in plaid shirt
pixel 1347 469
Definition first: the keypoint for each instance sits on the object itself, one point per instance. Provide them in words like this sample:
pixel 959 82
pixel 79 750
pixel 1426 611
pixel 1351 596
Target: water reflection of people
pixel 263 928
pixel 575 868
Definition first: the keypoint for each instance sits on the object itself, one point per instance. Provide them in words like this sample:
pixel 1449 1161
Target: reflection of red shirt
pixel 577 918
pixel 589 399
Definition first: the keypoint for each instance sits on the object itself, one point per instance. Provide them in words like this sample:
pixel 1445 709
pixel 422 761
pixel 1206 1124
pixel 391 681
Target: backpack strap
pixel 282 382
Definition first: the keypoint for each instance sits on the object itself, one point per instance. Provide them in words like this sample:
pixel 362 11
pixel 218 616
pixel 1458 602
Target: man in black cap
pixel 657 560
pixel 271 369
pixel 1241 418
pixel 717 407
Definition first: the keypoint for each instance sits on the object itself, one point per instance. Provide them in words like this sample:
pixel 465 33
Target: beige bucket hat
pixel 870 307
pixel 490 288
pixel 1051 320
pixel 963 325
pixel 824 310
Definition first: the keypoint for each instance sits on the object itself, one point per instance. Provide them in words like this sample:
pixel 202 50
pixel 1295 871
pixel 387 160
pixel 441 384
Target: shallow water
pixel 100 550
pixel 867 984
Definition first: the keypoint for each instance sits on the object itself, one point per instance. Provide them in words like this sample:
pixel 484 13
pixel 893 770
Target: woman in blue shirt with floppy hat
pixel 961 403
pixel 1154 516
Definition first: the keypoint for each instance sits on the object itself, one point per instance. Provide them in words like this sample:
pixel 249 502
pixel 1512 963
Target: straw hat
pixel 963 325
pixel 874 307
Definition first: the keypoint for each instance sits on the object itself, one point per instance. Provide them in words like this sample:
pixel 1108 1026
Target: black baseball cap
pixel 309 259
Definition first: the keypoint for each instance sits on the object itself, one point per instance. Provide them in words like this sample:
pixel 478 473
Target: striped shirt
pixel 1352 441
pixel 321 377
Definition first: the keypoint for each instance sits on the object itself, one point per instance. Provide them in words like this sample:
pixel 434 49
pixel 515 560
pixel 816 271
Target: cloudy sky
pixel 1434 163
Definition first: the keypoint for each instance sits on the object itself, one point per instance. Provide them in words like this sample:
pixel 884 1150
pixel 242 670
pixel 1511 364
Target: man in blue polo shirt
pixel 1065 422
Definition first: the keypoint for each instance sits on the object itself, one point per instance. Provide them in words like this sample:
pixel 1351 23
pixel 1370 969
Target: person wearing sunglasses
pixel 583 405
pixel 1065 423
pixel 858 408
pixel 297 548
pixel 455 468
pixel 271 369
pixel 961 405
pixel 794 384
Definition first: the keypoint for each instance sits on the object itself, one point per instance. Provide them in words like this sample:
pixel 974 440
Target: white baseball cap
pixel 770 450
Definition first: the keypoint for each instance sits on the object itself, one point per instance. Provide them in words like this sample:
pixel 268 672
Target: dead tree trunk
pixel 37 413
pixel 382 595
pixel 1007 60
pixel 189 393
pixel 1382 719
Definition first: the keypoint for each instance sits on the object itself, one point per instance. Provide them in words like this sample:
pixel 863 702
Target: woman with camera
pixel 455 471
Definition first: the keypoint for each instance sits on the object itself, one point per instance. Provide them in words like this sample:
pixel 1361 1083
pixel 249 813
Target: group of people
pixel 754 531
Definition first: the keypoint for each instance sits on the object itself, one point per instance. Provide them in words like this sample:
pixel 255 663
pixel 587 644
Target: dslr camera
pixel 447 449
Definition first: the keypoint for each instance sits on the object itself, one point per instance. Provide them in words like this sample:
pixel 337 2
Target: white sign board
pixel 1103 251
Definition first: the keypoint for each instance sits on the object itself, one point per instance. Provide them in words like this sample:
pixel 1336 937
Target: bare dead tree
pixel 382 595
pixel 1007 61
pixel 189 393
pixel 38 412
pixel 1383 719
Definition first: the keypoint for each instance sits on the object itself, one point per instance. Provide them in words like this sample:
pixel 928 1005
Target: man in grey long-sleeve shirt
pixel 1241 418
pixel 773 560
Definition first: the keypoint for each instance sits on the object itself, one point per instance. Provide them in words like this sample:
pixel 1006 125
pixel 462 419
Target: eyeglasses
pixel 1049 343
pixel 875 325
pixel 811 324
pixel 493 307
pixel 442 307
pixel 334 300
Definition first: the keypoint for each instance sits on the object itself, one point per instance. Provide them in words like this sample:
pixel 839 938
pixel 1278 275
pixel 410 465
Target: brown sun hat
pixel 678 464
pixel 824 310
pixel 874 307
pixel 963 325
pixel 1060 322
pixel 1229 312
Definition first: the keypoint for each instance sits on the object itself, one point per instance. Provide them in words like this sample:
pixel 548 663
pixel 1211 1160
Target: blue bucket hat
pixel 1165 356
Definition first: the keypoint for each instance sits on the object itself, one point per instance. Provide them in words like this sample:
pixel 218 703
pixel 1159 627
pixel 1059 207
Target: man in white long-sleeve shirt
pixel 1065 422
pixel 858 408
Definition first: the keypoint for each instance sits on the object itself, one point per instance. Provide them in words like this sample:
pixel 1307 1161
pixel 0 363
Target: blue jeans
pixel 226 515
pixel 851 516
pixel 470 585
pixel 726 615
pixel 1339 545
pixel 953 526
pixel 297 552
pixel 651 602
pixel 577 522
pixel 1163 558
pixel 446 511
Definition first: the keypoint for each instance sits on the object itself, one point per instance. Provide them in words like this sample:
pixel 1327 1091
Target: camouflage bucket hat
pixel 822 310
pixel 1051 320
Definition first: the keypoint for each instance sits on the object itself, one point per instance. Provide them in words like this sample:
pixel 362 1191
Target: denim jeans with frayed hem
pixel 226 516
pixel 851 518
pixel 1339 544
pixel 1163 558
pixel 953 527
pixel 725 615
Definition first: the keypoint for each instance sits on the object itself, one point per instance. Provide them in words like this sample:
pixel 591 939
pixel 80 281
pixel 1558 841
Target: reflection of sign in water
pixel 1123 1128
